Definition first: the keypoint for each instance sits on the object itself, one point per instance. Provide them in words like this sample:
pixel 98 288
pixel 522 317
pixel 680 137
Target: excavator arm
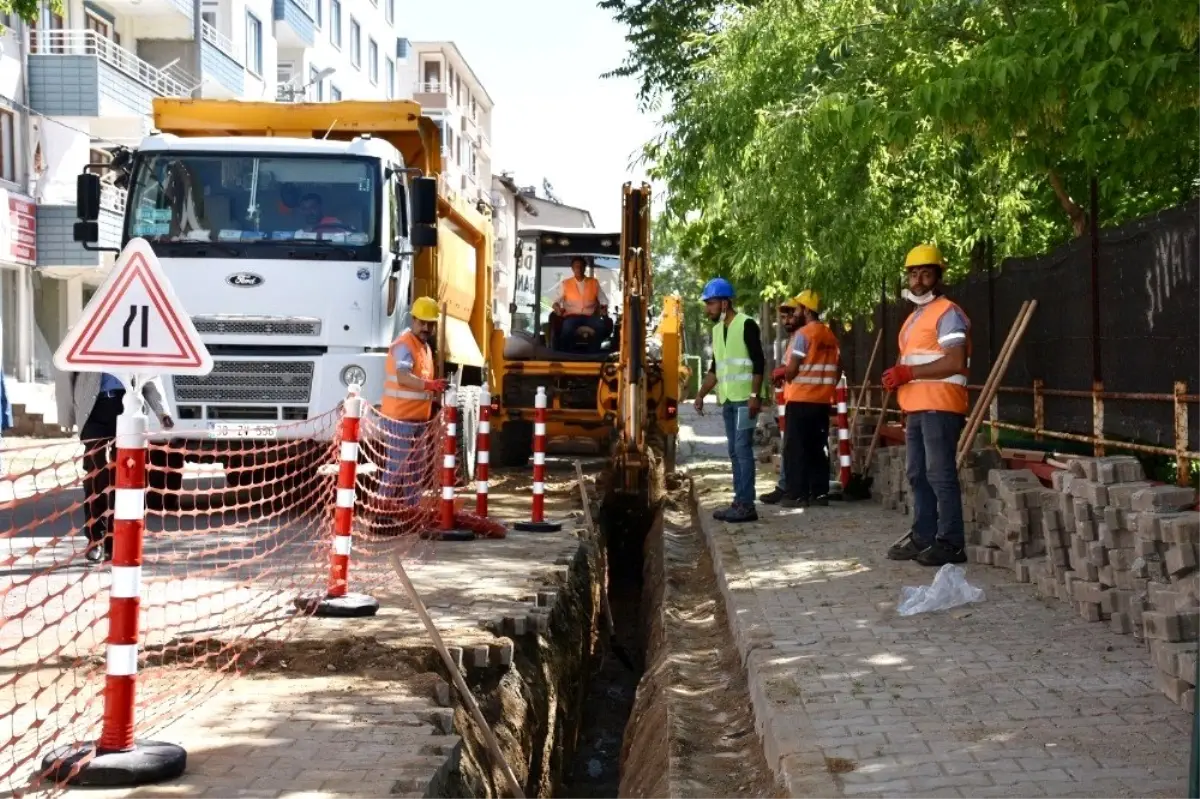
pixel 630 445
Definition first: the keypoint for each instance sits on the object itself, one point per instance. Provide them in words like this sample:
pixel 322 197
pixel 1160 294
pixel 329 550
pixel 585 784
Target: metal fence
pixel 1112 352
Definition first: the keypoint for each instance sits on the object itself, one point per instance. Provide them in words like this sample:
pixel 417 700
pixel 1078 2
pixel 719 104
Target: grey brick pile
pixel 1118 549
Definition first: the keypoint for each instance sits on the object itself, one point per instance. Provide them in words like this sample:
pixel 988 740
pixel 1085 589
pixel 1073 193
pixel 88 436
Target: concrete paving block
pixel 1164 497
pixel 1180 560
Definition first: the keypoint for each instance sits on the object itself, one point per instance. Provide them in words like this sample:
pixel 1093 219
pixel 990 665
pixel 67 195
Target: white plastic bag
pixel 949 590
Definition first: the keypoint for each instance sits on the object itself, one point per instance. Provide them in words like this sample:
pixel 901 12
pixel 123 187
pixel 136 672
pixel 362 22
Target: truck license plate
pixel 221 430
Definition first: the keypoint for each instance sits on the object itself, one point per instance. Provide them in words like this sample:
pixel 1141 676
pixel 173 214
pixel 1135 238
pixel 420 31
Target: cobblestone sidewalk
pixel 1007 697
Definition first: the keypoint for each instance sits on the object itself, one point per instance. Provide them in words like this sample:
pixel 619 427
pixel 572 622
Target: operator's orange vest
pixel 817 379
pixel 579 302
pixel 919 345
pixel 403 403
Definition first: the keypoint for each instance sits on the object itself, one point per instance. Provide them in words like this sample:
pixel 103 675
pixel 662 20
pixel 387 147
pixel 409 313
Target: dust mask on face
pixel 923 299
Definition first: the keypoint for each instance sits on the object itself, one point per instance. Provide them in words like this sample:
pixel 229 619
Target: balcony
pixel 432 95
pixel 59 255
pixel 176 14
pixel 78 73
pixel 220 62
pixel 295 22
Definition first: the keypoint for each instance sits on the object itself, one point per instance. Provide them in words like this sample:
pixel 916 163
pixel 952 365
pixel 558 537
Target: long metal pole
pixel 1097 373
pixel 198 36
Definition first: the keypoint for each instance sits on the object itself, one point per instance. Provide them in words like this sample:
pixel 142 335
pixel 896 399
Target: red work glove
pixel 897 376
pixel 434 386
pixel 778 375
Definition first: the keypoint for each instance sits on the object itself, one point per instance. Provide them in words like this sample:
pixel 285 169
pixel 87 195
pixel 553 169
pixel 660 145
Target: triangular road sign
pixel 134 325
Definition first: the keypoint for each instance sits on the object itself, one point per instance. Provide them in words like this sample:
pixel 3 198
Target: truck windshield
pixel 256 203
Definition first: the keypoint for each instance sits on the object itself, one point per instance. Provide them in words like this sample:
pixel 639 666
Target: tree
pixel 814 143
pixel 27 10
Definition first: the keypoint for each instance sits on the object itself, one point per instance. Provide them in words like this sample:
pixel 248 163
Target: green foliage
pixel 27 10
pixel 811 144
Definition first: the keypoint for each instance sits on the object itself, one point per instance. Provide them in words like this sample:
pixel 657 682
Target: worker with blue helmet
pixel 736 372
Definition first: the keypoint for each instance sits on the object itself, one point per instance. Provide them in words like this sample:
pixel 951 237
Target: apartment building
pixel 77 82
pixel 439 78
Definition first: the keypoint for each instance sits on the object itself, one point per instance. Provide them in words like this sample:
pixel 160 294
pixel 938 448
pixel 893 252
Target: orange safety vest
pixel 400 402
pixel 579 301
pixel 919 345
pixel 817 379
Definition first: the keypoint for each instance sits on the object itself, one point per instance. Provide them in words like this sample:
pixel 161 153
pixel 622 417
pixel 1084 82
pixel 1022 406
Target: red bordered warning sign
pixel 135 324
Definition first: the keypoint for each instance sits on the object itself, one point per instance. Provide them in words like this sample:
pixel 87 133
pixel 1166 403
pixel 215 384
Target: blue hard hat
pixel 717 289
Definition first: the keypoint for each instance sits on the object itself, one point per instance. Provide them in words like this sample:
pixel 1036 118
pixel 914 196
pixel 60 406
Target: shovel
pixel 860 483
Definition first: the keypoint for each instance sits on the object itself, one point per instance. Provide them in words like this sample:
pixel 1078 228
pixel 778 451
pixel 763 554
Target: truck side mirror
pixel 424 201
pixel 87 197
pixel 402 210
pixel 424 236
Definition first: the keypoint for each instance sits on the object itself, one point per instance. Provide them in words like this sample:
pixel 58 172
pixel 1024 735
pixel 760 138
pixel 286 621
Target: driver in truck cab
pixel 409 391
pixel 581 303
pixel 313 214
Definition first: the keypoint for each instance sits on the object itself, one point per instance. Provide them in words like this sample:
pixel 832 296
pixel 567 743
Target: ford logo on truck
pixel 244 280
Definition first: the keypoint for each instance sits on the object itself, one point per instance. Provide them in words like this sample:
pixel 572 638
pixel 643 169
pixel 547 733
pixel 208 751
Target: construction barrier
pixel 483 445
pixel 537 522
pixel 843 433
pixel 195 573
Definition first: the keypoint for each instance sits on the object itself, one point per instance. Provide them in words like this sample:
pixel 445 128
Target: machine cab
pixel 567 292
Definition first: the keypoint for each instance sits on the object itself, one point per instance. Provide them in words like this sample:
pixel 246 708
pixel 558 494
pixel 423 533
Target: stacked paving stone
pixel 1005 526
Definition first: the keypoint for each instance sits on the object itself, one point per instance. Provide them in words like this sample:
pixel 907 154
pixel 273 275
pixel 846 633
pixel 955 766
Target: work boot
pixel 741 513
pixel 720 513
pixel 940 553
pixel 905 549
pixel 822 501
pixel 771 498
pixel 794 502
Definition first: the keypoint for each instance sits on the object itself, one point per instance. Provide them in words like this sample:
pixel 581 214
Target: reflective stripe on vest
pixel 580 301
pixel 919 345
pixel 816 380
pixel 400 402
pixel 735 370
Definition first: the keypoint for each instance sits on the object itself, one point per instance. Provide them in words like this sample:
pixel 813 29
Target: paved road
pixel 1007 697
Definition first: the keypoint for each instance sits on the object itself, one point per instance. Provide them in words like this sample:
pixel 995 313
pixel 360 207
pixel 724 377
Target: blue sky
pixel 555 117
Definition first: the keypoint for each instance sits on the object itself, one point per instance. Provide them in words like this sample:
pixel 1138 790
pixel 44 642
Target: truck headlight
pixel 354 374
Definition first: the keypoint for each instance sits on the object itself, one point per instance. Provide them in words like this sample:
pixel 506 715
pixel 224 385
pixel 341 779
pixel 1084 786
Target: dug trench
pixel 657 707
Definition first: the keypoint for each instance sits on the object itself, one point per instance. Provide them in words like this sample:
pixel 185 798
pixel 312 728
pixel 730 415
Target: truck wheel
pixel 468 432
pixel 514 445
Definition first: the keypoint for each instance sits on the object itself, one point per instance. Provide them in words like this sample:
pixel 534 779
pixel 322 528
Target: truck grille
pixel 249 382
pixel 229 325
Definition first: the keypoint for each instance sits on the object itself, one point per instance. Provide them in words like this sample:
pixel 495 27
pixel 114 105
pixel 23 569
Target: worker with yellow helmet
pixel 930 381
pixel 410 388
pixel 810 378
pixel 791 323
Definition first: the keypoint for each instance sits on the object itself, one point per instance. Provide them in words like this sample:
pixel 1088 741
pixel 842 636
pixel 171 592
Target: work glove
pixel 434 386
pixel 777 376
pixel 897 376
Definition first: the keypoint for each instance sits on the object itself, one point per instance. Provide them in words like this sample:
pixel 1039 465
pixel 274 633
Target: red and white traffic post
pixel 843 428
pixel 446 529
pixel 118 759
pixel 338 600
pixel 537 522
pixel 483 443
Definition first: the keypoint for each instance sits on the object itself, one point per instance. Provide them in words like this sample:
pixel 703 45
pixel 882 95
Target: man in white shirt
pixel 581 303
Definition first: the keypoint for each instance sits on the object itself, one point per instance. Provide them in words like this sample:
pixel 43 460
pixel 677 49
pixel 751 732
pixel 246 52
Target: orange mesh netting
pixel 225 557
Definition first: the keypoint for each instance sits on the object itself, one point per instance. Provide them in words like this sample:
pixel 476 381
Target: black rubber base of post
pixel 146 763
pixel 350 606
pixel 538 527
pixel 448 535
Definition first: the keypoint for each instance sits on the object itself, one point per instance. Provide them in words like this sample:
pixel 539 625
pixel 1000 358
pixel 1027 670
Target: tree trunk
pixel 1077 215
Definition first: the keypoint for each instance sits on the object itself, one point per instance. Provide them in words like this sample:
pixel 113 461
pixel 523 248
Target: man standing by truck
pixel 409 392
pixel 737 374
pixel 931 388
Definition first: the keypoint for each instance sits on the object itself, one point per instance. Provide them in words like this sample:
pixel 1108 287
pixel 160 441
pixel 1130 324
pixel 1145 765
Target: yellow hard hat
pixel 425 309
pixel 787 302
pixel 809 299
pixel 924 255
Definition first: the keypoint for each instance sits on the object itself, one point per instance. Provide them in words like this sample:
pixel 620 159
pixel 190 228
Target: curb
pixel 789 742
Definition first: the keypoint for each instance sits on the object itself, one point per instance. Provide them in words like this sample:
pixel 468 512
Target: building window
pixel 208 15
pixel 355 43
pixel 335 23
pixel 335 93
pixel 389 10
pixel 389 75
pixel 8 147
pixel 373 61
pixel 316 87
pixel 254 44
pixel 319 10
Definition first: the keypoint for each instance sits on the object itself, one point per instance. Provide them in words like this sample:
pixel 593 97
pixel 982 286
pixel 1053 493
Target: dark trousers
pixel 805 450
pixel 98 436
pixel 932 442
